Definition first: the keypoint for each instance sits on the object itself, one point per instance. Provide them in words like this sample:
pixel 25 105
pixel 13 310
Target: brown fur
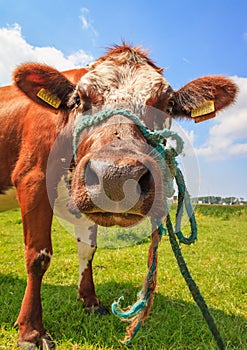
pixel 124 77
pixel 26 136
pixel 127 54
pixel 217 88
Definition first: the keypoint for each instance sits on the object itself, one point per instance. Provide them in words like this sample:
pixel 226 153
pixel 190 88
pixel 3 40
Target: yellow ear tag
pixel 49 98
pixel 206 108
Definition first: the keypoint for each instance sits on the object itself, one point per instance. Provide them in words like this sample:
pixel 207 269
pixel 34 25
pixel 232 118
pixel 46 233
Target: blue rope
pixel 137 313
pixel 133 311
pixel 184 198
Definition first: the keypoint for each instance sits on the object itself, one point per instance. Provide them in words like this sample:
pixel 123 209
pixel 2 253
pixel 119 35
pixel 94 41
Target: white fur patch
pixel 60 206
pixel 86 237
pixel 84 230
pixel 46 253
pixel 85 254
pixel 78 226
pixel 123 83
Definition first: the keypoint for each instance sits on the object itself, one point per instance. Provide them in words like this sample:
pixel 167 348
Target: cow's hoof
pixel 46 342
pixel 26 345
pixel 97 310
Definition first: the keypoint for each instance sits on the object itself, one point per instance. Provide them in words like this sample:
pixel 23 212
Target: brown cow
pixel 36 152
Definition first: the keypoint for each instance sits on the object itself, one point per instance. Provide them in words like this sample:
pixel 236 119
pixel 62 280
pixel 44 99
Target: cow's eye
pixel 77 101
pixel 169 107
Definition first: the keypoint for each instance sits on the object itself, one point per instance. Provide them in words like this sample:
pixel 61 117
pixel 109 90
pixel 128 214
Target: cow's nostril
pixel 146 182
pixel 91 178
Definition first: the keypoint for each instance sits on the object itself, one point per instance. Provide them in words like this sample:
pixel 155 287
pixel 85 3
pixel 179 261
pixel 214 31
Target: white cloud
pixel 16 50
pixel 80 58
pixel 185 60
pixel 228 137
pixel 87 23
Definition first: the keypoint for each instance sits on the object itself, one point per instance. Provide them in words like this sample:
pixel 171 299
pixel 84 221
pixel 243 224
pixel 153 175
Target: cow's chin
pixel 114 219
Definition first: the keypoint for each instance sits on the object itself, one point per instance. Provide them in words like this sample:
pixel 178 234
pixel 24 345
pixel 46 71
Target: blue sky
pixel 188 38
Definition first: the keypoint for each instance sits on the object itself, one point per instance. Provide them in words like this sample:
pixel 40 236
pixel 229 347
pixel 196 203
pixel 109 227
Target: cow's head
pixel 116 179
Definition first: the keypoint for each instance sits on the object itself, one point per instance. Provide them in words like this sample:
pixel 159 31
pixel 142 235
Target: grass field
pixel 218 263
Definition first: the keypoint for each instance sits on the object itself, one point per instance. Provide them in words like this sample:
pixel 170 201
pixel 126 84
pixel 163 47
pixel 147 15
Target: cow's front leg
pixel 86 246
pixel 37 218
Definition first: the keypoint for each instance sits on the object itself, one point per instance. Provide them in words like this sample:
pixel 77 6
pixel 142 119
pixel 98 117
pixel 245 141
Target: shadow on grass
pixel 172 324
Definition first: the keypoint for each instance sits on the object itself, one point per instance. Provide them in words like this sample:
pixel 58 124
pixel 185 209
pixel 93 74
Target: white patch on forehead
pixel 8 200
pixel 126 82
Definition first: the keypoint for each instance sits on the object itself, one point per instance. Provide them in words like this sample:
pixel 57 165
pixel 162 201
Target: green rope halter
pixel 155 138
pixel 137 313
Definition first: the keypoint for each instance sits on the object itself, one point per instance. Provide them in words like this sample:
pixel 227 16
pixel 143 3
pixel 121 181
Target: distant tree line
pixel 218 200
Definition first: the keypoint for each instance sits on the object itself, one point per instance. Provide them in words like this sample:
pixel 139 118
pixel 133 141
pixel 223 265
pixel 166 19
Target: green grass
pixel 217 263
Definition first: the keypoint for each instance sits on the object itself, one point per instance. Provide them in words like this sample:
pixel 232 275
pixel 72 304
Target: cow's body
pixel 16 112
pixel 110 154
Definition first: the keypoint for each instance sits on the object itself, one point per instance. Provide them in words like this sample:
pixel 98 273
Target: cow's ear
pixel 203 97
pixel 44 85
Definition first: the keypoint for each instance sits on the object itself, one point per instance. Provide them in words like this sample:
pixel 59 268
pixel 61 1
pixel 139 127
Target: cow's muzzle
pixel 118 191
pixel 122 192
pixel 117 181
